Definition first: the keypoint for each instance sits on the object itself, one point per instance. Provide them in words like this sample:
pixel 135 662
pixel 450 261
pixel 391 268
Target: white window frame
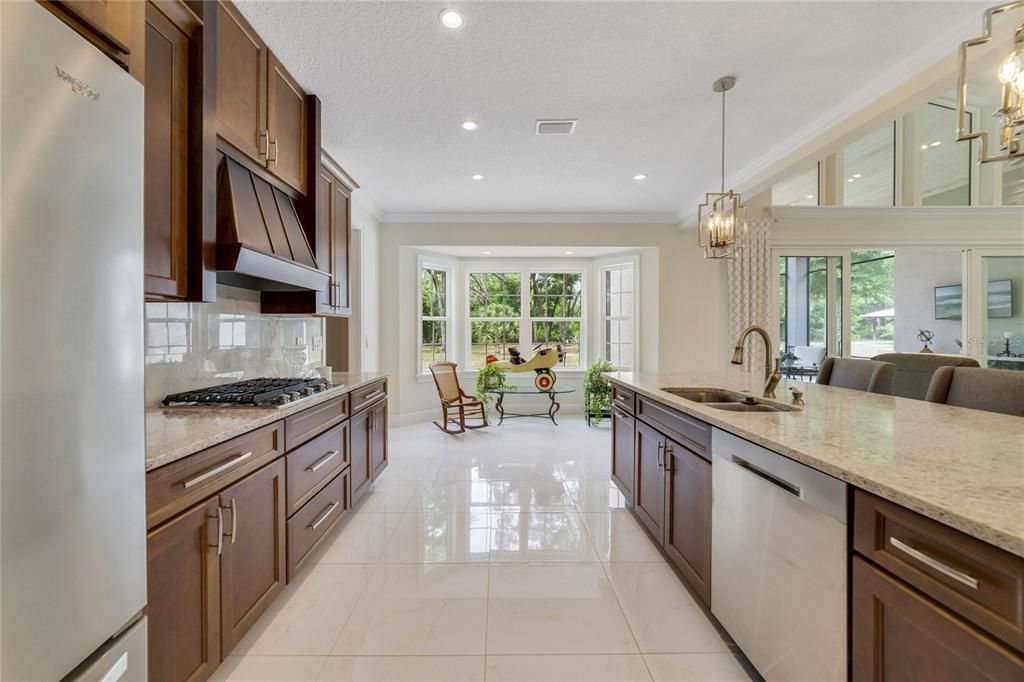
pixel 428 264
pixel 619 264
pixel 525 320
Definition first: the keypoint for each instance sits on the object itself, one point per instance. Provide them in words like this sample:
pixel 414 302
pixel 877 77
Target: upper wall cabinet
pixel 180 223
pixel 115 27
pixel 261 110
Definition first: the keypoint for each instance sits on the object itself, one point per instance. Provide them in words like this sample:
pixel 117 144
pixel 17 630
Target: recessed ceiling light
pixel 924 146
pixel 936 143
pixel 640 176
pixel 486 253
pixel 850 180
pixel 809 196
pixel 477 176
pixel 856 175
pixel 452 19
pixel 568 253
pixel 470 125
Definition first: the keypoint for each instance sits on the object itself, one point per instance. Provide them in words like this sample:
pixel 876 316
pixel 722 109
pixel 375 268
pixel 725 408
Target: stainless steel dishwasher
pixel 778 560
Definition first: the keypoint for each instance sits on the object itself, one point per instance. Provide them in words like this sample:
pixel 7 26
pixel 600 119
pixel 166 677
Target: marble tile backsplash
pixel 193 345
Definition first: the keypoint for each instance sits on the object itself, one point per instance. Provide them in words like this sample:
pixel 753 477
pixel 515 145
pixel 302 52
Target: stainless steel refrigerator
pixel 72 431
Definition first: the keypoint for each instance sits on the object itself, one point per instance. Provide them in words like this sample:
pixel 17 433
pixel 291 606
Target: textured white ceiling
pixel 396 85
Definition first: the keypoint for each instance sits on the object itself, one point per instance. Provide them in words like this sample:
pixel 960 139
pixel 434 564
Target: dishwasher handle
pixel 768 476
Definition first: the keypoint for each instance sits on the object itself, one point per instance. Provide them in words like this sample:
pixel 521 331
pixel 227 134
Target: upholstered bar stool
pixel 860 375
pixel 993 390
pixel 914 370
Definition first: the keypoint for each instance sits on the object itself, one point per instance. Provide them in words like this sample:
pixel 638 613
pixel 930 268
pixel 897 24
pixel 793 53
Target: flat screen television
pixel 949 303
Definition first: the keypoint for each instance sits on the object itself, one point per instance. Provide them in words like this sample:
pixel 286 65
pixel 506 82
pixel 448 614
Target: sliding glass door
pixel 810 304
pixel 994 307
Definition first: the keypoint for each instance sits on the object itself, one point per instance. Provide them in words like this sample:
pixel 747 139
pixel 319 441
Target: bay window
pixel 495 309
pixel 618 316
pixel 556 312
pixel 434 315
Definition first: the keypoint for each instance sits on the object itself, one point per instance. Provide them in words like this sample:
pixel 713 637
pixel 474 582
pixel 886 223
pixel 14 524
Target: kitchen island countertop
pixel 961 467
pixel 176 432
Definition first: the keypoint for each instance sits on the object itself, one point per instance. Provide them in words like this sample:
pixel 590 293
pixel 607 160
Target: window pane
pixel 1004 317
pixel 492 338
pixel 797 190
pixel 433 342
pixel 872 312
pixel 1013 182
pixel 556 294
pixel 563 333
pixel 495 294
pixel 435 288
pixel 869 168
pixel 945 163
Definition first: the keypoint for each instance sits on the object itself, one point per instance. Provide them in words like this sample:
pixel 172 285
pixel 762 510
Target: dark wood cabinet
pixel 378 438
pixel 339 244
pixel 359 451
pixel 180 226
pixel 261 108
pixel 688 515
pixel 649 479
pixel 241 84
pixel 899 634
pixel 623 453
pixel 115 27
pixel 183 578
pixel 253 559
pixel 286 125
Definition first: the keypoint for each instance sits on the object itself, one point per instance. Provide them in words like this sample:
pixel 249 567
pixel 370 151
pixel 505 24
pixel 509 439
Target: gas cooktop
pixel 263 392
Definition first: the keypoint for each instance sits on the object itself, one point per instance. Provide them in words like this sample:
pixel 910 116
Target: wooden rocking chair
pixel 454 399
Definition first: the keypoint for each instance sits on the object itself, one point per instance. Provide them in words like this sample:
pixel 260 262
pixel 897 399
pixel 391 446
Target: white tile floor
pixel 502 554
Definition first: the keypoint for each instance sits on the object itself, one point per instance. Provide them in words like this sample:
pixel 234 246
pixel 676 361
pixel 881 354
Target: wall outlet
pixel 318 344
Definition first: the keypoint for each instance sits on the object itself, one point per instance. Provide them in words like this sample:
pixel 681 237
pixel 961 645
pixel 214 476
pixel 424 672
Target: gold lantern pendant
pixel 722 218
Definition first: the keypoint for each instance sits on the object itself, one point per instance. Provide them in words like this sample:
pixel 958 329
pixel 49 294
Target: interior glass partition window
pixel 495 309
pixel 434 317
pixel 1003 314
pixel 869 169
pixel 872 307
pixel 800 189
pixel 810 312
pixel 945 164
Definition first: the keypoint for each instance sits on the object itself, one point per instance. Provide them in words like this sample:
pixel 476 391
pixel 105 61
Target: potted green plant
pixel 597 392
pixel 488 378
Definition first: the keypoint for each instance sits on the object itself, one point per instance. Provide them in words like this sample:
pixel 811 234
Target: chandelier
pixel 1011 105
pixel 722 219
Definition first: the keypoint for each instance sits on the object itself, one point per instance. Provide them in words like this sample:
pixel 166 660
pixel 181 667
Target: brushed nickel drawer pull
pixel 319 464
pixel 935 564
pixel 373 396
pixel 216 470
pixel 234 520
pixel 220 529
pixel 323 517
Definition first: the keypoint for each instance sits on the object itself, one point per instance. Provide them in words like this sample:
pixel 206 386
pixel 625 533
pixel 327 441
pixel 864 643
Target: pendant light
pixel 722 219
pixel 1010 112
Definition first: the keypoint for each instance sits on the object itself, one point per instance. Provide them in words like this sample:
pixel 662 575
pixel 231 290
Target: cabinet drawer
pixel 177 486
pixel 980 582
pixel 312 522
pixel 691 432
pixel 623 398
pixel 361 397
pixel 314 462
pixel 302 426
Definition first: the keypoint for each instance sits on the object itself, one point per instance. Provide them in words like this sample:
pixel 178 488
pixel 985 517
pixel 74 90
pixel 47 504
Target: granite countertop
pixel 176 432
pixel 962 467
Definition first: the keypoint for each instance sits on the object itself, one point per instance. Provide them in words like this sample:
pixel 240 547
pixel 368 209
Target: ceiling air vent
pixel 559 126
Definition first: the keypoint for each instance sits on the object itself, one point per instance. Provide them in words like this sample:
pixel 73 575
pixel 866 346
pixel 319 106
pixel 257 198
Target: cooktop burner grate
pixel 255 392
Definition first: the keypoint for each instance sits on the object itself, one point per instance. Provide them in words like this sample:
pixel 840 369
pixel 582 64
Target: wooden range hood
pixel 261 243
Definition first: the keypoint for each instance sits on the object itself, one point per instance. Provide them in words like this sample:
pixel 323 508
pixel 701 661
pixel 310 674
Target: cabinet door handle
pixel 669 467
pixel 935 564
pixel 320 463
pixel 220 529
pixel 216 470
pixel 661 447
pixel 273 159
pixel 323 516
pixel 234 520
pixel 264 143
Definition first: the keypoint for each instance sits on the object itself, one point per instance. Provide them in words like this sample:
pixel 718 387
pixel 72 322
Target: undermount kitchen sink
pixel 722 399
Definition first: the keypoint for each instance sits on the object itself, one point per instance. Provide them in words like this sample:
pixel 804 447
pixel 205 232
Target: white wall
pixel 365 327
pixel 680 291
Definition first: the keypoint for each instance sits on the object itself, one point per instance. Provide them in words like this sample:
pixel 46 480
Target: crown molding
pixel 368 204
pixel 533 218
